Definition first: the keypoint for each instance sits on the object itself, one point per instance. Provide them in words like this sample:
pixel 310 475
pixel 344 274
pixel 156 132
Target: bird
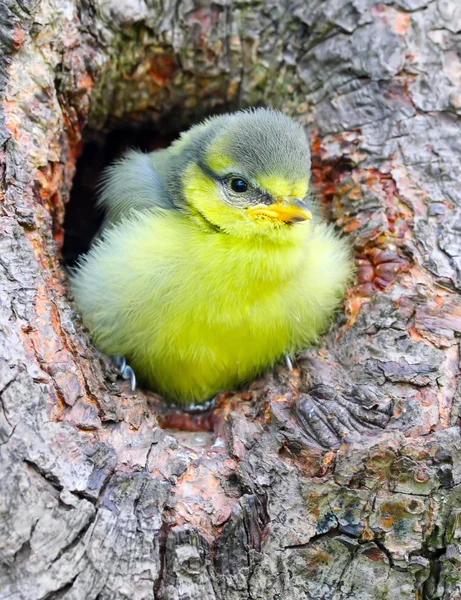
pixel 213 261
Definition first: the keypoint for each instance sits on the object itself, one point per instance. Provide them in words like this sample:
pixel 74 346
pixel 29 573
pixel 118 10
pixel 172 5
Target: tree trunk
pixel 340 479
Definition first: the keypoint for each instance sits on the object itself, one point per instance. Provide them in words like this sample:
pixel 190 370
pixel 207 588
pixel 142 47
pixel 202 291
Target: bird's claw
pixel 125 370
pixel 129 374
pixel 288 362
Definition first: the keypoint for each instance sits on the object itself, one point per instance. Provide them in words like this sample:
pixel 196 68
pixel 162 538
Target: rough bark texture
pixel 338 480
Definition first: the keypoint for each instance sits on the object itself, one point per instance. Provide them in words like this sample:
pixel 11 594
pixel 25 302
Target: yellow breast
pixel 196 312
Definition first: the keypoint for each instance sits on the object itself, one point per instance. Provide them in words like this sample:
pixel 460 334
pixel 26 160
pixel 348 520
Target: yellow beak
pixel 286 210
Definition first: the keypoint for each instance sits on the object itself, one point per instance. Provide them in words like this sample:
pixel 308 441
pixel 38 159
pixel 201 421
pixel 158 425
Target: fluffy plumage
pixel 196 290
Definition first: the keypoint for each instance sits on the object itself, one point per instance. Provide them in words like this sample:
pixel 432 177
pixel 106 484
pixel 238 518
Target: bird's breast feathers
pixel 170 296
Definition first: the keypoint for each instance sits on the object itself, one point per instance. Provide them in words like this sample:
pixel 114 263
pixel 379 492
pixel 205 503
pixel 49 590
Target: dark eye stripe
pixel 216 176
pixel 260 196
pixel 210 172
pixel 264 197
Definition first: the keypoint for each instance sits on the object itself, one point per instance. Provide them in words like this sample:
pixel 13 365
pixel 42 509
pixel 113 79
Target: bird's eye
pixel 238 185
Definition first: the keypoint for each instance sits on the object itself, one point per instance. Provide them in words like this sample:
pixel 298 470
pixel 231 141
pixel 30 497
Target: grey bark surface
pixel 338 480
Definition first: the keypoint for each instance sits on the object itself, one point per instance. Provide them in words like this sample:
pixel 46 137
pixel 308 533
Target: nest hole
pixel 82 221
pixel 83 218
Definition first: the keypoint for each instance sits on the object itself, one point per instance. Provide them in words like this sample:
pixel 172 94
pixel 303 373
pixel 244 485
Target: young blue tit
pixel 210 266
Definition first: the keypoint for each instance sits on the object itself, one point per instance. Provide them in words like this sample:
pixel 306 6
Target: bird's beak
pixel 288 210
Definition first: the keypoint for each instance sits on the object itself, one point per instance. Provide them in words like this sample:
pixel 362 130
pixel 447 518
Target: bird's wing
pixel 131 184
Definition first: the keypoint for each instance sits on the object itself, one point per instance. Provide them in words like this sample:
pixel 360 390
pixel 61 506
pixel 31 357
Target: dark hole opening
pixel 83 218
pixel 81 223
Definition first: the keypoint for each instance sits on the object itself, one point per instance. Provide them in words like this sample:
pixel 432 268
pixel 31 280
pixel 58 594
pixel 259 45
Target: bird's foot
pixel 125 370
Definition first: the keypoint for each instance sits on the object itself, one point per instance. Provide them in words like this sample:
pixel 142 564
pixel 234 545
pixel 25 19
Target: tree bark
pixel 340 479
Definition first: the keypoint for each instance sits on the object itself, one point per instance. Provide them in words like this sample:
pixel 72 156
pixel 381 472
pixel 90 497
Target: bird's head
pixel 244 174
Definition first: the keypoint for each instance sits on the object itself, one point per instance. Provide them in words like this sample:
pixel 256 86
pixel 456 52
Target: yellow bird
pixel 210 266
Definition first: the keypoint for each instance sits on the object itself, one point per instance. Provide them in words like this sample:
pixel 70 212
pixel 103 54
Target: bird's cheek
pixel 203 194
